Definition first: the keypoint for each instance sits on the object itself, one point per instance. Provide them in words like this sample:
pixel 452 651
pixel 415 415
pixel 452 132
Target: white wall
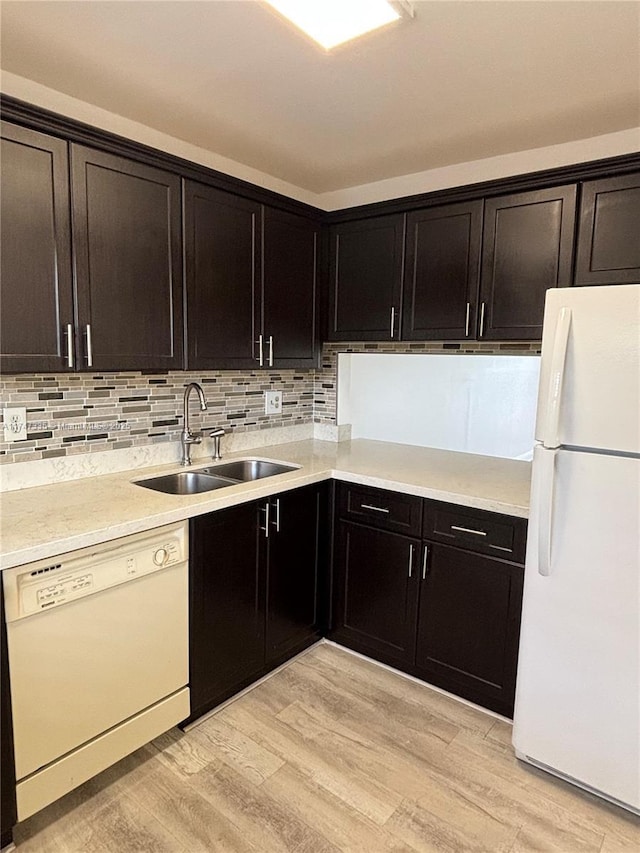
pixel 471 403
pixel 491 168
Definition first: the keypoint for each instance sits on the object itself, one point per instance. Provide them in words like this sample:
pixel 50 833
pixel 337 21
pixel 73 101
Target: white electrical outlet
pixel 15 424
pixel 273 402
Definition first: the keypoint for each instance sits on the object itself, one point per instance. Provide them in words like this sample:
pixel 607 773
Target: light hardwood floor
pixel 333 753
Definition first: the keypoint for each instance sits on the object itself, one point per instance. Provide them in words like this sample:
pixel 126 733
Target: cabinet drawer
pixel 475 529
pixel 380 508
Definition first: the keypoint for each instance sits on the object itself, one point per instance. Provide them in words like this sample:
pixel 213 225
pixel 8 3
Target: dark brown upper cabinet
pixel 127 256
pixel 290 245
pixel 251 283
pixel 36 331
pixel 365 279
pixel 527 249
pixel 609 231
pixel 442 272
pixel 222 242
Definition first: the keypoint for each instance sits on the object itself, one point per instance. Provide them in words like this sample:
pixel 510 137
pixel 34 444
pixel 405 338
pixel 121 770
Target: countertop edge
pixel 194 506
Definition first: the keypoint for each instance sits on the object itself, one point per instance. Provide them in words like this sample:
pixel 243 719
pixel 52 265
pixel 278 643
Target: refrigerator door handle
pixel 556 378
pixel 545 510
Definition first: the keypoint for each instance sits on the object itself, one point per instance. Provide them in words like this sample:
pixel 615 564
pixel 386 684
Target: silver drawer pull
pixel 374 508
pixel 410 560
pixel 468 530
pixel 89 347
pixel 424 562
pixel 69 345
pixel 265 529
pixel 276 523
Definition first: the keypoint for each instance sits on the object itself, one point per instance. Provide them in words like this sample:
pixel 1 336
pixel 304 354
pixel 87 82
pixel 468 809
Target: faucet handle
pixel 216 435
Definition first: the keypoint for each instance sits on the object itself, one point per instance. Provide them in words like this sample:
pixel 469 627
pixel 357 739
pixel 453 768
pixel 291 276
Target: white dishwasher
pixel 98 644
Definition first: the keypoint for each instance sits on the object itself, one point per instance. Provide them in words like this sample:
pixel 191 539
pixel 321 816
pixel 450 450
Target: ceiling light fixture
pixel 332 22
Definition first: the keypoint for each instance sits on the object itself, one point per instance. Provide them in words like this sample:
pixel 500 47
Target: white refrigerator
pixel 577 710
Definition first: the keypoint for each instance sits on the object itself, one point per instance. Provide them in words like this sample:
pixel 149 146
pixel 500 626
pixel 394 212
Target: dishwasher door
pixel 93 641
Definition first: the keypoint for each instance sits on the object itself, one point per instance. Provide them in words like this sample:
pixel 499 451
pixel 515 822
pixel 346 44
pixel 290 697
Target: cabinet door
pixel 366 279
pixel 37 308
pixel 609 232
pixel 127 251
pixel 527 248
pixel 222 264
pixel 226 643
pixel 442 272
pixel 469 624
pixel 289 274
pixel 293 572
pixel 376 592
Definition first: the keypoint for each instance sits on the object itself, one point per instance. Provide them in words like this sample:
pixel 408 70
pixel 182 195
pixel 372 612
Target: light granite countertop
pixel 47 521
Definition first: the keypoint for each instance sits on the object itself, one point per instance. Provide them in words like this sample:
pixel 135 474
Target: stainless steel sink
pixel 215 477
pixel 244 470
pixel 186 483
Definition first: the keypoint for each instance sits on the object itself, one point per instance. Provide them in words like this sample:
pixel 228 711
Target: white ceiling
pixel 461 82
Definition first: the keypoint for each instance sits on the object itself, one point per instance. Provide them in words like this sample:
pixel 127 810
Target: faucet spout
pixel 187 437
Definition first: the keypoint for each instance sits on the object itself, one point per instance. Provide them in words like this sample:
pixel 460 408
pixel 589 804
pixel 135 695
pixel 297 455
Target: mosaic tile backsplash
pixel 79 413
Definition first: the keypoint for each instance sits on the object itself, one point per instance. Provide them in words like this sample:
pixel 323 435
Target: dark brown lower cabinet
pixel 446 613
pixel 469 625
pixel 294 559
pixel 254 575
pixel 376 592
pixel 226 605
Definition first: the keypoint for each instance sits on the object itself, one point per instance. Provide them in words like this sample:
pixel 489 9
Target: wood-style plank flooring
pixel 333 753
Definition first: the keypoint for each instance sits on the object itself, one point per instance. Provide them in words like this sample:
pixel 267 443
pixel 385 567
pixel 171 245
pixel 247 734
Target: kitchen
pixel 109 398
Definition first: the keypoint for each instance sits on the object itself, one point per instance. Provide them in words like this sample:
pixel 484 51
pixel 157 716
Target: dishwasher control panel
pixel 48 595
pixel 47 584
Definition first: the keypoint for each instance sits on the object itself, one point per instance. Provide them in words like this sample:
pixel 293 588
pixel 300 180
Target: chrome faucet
pixel 187 437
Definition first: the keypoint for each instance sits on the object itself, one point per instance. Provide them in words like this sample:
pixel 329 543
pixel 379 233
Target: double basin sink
pixel 215 477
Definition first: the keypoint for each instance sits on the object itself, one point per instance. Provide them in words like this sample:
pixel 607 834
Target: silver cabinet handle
pixel 466 322
pixel 276 523
pixel 69 334
pixel 393 320
pixel 89 347
pixel 410 559
pixel 265 529
pixel 270 350
pixel 425 558
pixel 374 508
pixel 468 530
pixel 482 310
pixel 260 357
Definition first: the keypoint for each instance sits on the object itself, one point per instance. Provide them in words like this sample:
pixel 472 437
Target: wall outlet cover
pixel 15 423
pixel 273 402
